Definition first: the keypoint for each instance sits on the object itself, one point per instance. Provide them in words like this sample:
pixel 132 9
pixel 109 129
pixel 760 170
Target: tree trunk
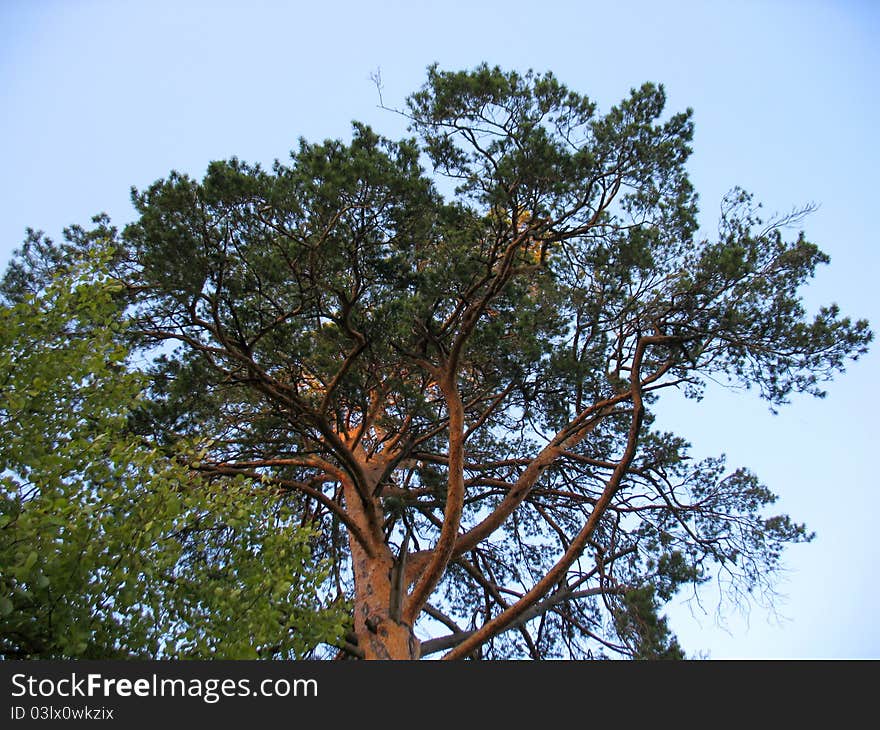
pixel 380 633
pixel 379 593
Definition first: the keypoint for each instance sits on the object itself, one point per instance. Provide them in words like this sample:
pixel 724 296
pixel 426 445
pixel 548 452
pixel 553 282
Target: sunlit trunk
pixel 380 632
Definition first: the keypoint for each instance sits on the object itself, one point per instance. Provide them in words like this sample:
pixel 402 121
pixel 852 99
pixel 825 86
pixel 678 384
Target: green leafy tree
pixel 459 389
pixel 109 548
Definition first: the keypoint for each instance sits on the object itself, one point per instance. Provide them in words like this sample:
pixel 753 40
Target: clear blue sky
pixel 97 96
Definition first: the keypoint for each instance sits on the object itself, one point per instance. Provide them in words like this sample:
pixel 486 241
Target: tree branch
pixel 557 572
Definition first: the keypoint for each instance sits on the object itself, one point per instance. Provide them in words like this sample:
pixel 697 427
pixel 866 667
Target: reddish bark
pixel 381 632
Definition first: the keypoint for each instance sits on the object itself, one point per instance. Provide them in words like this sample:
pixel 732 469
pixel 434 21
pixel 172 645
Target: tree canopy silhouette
pixel 456 391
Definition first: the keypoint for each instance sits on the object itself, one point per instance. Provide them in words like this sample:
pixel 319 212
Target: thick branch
pixel 558 571
pixel 529 477
pixel 432 646
pixel 446 543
